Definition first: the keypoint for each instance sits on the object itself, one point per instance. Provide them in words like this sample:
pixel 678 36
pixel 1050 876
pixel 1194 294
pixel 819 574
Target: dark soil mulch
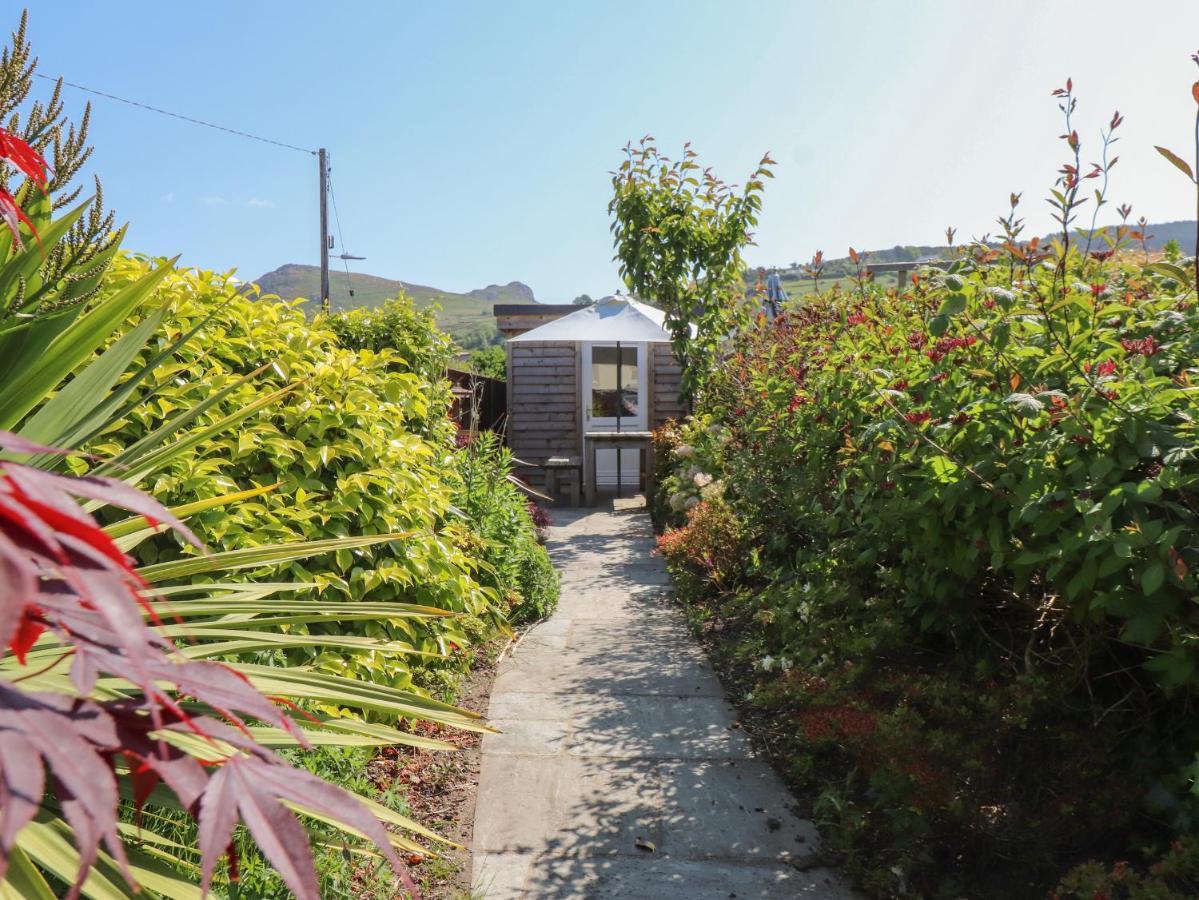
pixel 441 786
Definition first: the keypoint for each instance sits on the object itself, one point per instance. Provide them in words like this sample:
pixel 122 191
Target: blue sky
pixel 471 142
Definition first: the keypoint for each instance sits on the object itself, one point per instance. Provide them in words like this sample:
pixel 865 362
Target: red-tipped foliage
pixel 30 162
pixel 61 574
pixel 24 157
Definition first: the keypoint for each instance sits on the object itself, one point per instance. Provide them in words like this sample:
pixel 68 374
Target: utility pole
pixel 323 159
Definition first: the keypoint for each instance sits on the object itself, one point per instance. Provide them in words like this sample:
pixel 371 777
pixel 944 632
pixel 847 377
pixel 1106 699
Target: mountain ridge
pixel 467 317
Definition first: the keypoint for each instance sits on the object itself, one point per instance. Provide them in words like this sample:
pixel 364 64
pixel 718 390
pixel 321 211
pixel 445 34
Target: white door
pixel 602 396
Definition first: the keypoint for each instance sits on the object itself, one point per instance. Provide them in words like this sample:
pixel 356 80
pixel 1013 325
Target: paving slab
pixel 731 809
pixel 595 602
pixel 520 736
pixel 671 726
pixel 628 504
pixel 520 820
pixel 531 705
pixel 500 876
pixel 514 876
pixel 620 770
pixel 663 879
pixel 616 672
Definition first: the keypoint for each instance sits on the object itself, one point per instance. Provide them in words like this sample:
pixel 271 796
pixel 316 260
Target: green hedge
pixel 500 513
pixel 359 444
pixel 358 441
pixel 966 559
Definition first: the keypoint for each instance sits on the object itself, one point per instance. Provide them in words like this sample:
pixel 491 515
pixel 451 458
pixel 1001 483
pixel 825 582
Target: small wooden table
pixel 556 465
pixel 593 440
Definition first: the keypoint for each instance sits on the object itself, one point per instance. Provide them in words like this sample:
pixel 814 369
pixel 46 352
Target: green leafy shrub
pixel 710 546
pixel 491 362
pixel 413 343
pixel 398 326
pixel 1062 473
pixel 500 514
pixel 1174 877
pixel 968 607
pixel 357 442
pixel 357 447
pixel 537 583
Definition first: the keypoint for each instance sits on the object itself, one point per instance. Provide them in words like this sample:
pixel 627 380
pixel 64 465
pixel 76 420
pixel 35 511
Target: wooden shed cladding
pixel 517 318
pixel 543 403
pixel 665 380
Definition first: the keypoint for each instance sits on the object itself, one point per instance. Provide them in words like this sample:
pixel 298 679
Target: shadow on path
pixel 620 770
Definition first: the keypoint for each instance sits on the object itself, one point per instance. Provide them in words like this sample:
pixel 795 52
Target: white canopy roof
pixel 616 318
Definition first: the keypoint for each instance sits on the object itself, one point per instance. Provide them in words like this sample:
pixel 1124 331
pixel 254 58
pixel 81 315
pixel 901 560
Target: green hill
pixel 467 317
pixel 841 269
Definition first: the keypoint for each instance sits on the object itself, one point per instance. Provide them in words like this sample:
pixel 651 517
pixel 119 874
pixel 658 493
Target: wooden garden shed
pixel 588 384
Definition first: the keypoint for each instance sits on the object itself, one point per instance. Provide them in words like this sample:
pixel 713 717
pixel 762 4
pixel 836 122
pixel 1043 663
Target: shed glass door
pixel 602 396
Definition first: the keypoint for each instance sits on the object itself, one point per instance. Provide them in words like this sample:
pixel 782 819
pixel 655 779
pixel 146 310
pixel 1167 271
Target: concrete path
pixel 616 734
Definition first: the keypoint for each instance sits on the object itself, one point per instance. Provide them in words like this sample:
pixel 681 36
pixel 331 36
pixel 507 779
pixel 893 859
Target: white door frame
pixel 608 423
pixel 605 459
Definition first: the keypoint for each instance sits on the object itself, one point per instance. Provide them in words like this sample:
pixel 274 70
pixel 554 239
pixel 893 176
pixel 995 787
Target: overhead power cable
pixel 340 237
pixel 173 115
pixel 327 187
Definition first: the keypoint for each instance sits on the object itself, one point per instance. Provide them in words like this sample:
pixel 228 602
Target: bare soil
pixel 440 787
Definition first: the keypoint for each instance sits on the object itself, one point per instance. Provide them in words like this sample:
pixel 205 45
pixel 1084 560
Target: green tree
pixel 583 300
pixel 1172 249
pixel 398 325
pixel 679 235
pixel 491 361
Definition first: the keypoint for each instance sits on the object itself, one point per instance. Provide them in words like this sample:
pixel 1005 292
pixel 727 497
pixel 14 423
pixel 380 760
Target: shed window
pixel 604 393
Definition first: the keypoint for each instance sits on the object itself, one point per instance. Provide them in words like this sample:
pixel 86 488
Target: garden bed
pixel 440 788
pixel 770 711
pixel 943 541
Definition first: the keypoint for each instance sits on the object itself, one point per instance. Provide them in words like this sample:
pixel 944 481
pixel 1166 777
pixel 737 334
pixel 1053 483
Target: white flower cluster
pixel 705 484
pixel 693 479
pixel 770 663
pixel 680 501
